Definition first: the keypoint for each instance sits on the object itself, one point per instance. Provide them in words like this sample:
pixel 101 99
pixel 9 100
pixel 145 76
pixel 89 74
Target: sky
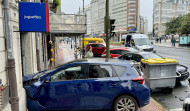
pixel 72 6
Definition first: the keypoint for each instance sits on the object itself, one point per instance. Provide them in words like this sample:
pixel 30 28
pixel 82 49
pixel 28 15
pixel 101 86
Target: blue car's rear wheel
pixel 125 103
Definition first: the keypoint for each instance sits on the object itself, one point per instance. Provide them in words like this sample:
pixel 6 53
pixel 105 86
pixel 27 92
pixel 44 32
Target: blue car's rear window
pixel 120 70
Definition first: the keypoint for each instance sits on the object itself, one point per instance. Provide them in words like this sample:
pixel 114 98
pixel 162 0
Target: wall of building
pixel 165 10
pixel 16 53
pixel 125 12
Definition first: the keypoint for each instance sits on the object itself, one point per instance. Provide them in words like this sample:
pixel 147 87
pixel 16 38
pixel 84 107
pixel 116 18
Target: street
pixel 181 91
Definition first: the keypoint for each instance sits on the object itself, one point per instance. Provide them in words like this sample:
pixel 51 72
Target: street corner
pixel 153 106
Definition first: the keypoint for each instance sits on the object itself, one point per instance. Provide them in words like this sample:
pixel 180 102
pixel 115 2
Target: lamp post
pixel 107 19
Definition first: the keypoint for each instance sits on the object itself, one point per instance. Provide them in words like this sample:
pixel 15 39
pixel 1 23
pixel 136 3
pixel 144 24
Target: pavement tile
pixel 153 106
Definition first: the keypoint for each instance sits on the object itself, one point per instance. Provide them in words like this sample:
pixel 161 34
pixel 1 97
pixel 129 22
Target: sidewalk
pixel 66 54
pixel 169 44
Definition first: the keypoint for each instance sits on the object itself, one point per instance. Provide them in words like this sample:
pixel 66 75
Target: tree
pixel 57 3
pixel 173 25
pixel 185 25
pixel 179 25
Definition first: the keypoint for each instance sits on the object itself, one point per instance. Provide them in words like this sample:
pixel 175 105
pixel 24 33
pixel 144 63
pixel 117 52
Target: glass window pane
pixel 119 70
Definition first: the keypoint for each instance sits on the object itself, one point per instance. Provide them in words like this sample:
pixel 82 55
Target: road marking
pixel 179 109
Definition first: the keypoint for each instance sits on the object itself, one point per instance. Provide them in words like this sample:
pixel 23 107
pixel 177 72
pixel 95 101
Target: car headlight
pixel 140 50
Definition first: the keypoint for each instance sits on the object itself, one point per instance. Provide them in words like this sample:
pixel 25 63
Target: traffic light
pixel 112 27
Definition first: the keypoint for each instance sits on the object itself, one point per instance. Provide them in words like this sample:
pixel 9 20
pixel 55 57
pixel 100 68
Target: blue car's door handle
pixel 113 84
pixel 79 86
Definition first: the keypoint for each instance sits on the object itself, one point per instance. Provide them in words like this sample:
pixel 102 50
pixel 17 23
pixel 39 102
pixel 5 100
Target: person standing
pixel 174 40
pixel 89 54
pixel 160 39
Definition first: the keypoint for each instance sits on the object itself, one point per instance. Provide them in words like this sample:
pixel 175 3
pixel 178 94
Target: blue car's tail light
pixel 139 80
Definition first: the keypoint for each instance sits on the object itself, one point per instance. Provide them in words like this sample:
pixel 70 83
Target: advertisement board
pixel 33 17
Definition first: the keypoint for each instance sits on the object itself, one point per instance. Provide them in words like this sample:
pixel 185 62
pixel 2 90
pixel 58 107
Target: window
pixel 101 71
pixel 120 70
pixel 94 45
pixel 124 52
pixel 71 73
pixel 128 56
pixel 118 52
pixel 137 58
pixel 112 51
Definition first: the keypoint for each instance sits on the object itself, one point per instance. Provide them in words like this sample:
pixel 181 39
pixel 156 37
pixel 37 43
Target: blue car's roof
pixel 102 61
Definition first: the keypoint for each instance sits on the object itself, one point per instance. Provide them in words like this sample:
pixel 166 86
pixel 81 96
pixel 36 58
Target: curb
pixel 158 104
pixel 173 47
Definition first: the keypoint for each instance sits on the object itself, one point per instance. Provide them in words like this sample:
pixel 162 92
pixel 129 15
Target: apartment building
pixel 165 10
pixel 132 14
pixel 125 12
pixel 143 25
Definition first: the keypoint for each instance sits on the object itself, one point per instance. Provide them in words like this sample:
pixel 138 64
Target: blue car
pixel 92 84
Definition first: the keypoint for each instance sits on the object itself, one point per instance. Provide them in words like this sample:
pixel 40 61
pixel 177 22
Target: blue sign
pixel 132 29
pixel 33 17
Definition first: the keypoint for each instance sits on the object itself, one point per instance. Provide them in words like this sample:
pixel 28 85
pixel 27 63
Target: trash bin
pixel 159 73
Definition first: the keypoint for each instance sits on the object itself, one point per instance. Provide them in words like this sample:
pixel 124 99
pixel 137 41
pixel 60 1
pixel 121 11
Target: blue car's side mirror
pixel 47 79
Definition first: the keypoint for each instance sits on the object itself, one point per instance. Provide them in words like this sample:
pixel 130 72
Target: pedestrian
pixel 89 54
pixel 157 40
pixel 165 38
pixel 127 44
pixel 174 40
pixel 160 39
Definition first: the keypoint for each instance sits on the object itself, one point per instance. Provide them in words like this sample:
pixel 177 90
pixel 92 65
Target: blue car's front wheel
pixel 125 103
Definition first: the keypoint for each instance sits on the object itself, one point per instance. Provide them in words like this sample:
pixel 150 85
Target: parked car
pixel 183 70
pixel 90 40
pixel 116 52
pixel 87 85
pixel 97 48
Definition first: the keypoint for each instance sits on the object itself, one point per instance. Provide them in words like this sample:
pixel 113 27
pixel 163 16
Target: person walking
pixel 160 39
pixel 89 54
pixel 174 40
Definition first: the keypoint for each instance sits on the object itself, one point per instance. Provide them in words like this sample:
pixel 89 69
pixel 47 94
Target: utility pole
pixel 83 6
pixel 107 19
pixel 11 61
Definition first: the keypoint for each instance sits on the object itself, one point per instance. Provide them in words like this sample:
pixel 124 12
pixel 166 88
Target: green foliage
pixel 179 25
pixel 57 3
pixel 185 25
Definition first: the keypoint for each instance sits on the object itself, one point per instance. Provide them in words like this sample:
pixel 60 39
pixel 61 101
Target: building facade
pixel 132 14
pixel 125 13
pixel 4 98
pixel 28 52
pixel 143 25
pixel 165 10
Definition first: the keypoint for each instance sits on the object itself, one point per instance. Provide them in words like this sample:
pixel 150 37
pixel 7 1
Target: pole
pixel 22 34
pixel 37 51
pixel 83 6
pixel 45 54
pixel 106 30
pixel 83 52
pixel 11 61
